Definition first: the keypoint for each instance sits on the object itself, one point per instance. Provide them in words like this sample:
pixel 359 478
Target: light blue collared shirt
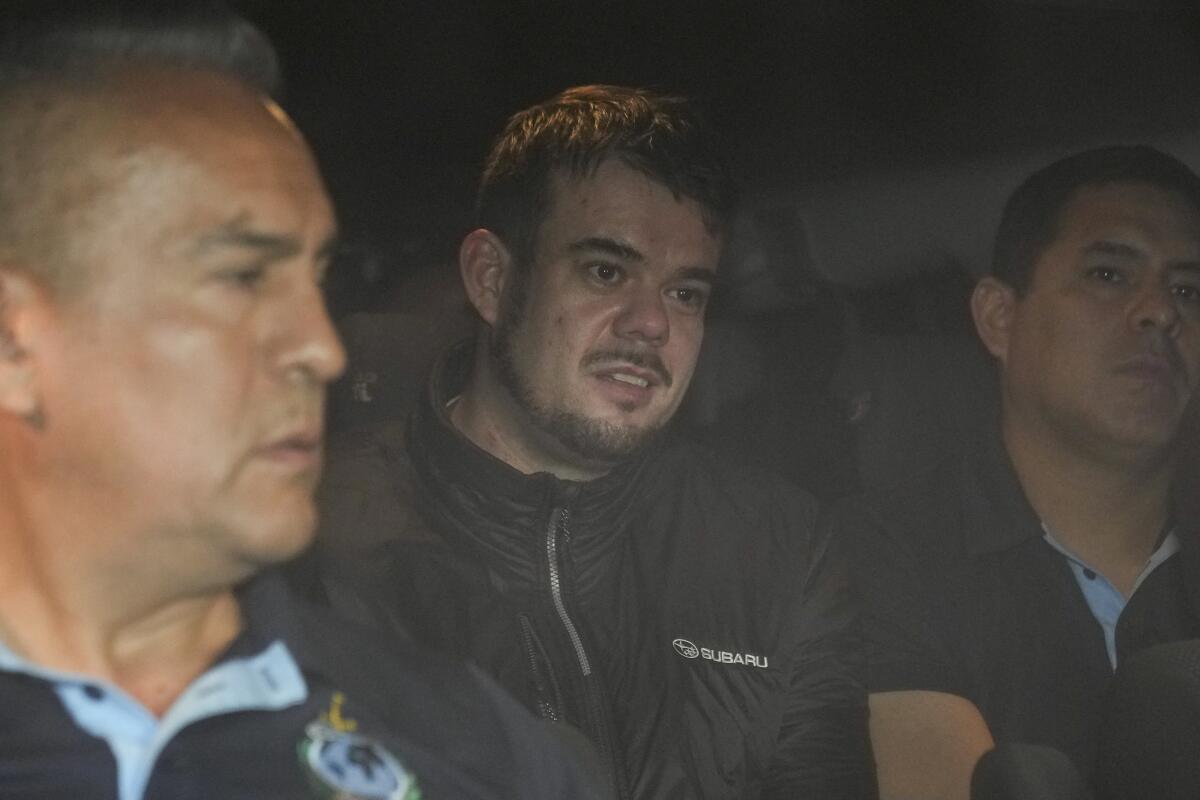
pixel 270 680
pixel 1105 601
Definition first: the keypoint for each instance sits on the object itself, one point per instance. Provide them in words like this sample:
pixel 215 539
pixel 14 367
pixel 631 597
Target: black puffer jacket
pixel 688 617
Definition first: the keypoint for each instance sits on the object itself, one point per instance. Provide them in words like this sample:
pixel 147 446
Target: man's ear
pixel 993 305
pixel 18 390
pixel 485 264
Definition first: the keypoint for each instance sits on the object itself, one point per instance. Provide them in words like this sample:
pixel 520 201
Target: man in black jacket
pixel 164 351
pixel 541 520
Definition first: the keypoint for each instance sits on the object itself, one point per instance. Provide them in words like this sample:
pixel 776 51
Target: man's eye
pixel 605 273
pixel 1187 292
pixel 247 278
pixel 690 296
pixel 1105 274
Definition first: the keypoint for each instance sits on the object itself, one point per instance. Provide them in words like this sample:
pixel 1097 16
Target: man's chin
pixel 596 441
pixel 277 541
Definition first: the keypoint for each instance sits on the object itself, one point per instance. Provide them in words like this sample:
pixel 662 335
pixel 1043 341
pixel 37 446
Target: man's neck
pixel 493 424
pixel 1109 514
pixel 70 618
pixel 152 659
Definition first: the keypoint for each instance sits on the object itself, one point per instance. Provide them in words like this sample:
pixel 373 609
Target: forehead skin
pixel 84 166
pixel 1137 211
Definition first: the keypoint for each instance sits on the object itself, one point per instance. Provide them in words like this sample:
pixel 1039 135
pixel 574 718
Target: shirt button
pixel 1089 574
pixel 93 692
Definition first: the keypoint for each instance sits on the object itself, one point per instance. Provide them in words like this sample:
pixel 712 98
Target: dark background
pixel 876 140
pixel 400 99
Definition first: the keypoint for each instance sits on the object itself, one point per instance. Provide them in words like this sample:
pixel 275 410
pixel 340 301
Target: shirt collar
pixel 257 671
pixel 997 513
pixel 454 470
pixel 270 611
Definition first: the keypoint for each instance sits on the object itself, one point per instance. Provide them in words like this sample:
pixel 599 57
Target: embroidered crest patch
pixel 343 764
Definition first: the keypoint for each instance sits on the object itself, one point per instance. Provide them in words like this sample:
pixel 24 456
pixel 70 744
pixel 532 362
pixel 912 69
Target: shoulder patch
pixel 343 764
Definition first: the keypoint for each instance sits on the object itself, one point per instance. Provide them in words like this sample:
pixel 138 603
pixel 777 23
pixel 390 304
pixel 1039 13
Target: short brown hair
pixel 659 135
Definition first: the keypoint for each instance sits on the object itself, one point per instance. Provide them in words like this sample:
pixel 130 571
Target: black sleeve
pixel 904 647
pixel 364 497
pixel 366 508
pixel 824 749
pixel 452 725
pixel 548 760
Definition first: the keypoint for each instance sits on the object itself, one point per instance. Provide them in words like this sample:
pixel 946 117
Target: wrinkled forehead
pixel 157 151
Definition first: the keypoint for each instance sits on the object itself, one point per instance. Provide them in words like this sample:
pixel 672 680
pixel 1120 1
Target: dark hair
pixel 659 135
pixel 73 41
pixel 1033 213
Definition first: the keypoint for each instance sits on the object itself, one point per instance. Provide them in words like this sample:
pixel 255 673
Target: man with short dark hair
pixel 543 520
pixel 164 351
pixel 1002 588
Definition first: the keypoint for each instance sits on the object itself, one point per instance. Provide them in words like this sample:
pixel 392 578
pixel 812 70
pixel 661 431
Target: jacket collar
pixel 488 498
pixel 997 515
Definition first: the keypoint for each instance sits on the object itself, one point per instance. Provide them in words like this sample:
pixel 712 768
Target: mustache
pixel 647 361
pixel 1158 343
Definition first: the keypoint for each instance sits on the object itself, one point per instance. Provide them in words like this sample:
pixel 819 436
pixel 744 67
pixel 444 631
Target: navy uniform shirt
pixel 300 706
pixel 961 593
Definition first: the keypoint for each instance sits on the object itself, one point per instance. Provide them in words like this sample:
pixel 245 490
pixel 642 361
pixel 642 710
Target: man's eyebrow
pixel 1107 247
pixel 1188 267
pixel 237 234
pixel 701 274
pixel 622 250
pixel 604 244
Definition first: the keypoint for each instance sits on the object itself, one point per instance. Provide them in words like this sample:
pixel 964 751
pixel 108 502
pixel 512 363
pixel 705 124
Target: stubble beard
pixel 593 441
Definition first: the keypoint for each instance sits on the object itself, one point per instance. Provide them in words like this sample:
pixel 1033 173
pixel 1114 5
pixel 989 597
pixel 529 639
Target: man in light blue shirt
pixel 164 351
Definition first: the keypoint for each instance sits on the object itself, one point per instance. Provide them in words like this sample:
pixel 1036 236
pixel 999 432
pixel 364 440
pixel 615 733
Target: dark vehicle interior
pixel 875 143
pixel 870 636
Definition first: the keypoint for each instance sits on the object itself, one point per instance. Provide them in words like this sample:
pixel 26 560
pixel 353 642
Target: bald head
pixel 81 99
pixel 73 161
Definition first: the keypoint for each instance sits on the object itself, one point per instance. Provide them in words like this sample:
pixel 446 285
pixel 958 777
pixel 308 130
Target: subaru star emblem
pixel 686 648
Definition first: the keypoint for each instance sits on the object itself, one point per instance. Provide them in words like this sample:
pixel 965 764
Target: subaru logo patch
pixel 686 648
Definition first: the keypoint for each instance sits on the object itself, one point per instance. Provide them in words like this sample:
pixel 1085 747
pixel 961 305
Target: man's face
pixel 182 383
pixel 1104 348
pixel 599 350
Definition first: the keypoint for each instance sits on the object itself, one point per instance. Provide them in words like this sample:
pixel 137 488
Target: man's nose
pixel 1155 308
pixel 310 346
pixel 644 316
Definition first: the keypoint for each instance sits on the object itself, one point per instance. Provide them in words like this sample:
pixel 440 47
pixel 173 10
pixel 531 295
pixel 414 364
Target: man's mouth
pixel 1152 364
pixel 298 448
pixel 1154 371
pixel 636 369
pixel 630 379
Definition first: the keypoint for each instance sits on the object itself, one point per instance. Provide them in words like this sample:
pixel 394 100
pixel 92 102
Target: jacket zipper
pixel 559 518
pixel 596 710
pixel 549 698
